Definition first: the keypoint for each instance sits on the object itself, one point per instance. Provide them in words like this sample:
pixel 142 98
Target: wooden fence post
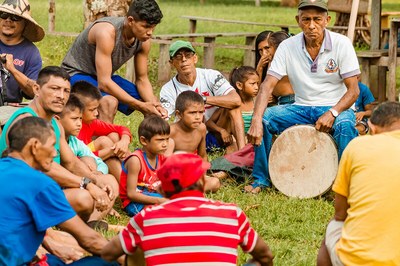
pixel 164 69
pixel 209 52
pixel 52 15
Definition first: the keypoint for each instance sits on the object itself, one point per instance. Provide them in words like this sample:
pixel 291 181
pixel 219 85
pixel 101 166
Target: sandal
pixel 98 225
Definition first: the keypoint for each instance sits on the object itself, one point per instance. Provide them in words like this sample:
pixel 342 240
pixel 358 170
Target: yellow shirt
pixel 369 176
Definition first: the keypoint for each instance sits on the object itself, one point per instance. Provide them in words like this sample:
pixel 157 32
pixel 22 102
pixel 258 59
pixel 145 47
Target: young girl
pixel 245 81
pixel 266 44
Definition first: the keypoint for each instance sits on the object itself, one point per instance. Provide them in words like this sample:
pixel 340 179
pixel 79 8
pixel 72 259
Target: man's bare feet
pixel 251 189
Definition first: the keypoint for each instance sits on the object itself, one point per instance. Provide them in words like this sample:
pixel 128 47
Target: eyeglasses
pixel 180 56
pixel 4 15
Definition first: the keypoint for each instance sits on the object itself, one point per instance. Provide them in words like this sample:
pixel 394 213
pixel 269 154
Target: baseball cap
pixel 317 3
pixel 176 46
pixel 181 171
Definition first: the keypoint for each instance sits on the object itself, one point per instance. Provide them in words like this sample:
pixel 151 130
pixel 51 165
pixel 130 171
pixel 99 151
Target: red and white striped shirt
pixel 189 230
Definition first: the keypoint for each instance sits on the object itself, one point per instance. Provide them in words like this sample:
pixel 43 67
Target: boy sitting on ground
pixel 71 120
pixel 139 183
pixel 188 134
pixel 112 141
pixel 364 106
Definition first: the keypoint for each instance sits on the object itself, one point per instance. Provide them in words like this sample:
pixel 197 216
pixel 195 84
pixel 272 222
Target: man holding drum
pixel 322 67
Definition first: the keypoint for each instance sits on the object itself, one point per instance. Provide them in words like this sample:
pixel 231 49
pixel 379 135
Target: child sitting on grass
pixel 245 81
pixel 364 106
pixel 112 142
pixel 139 182
pixel 188 134
pixel 71 120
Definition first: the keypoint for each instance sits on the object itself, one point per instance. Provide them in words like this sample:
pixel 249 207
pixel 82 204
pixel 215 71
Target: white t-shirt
pixel 208 82
pixel 318 83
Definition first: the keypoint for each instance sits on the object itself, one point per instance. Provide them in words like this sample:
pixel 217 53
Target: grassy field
pixel 293 228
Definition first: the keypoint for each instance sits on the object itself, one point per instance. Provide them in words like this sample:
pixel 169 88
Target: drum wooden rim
pixel 303 162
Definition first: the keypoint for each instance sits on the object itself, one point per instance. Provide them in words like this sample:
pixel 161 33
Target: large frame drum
pixel 303 162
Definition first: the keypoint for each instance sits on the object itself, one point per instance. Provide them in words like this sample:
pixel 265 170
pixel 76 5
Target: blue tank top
pixel 25 110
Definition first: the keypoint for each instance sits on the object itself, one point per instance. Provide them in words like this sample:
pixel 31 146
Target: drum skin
pixel 303 162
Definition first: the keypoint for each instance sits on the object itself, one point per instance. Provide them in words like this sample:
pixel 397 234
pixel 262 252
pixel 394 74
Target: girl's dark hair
pixel 274 39
pixel 241 74
pixel 262 36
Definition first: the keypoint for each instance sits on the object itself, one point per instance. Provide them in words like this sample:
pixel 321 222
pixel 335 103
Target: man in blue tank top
pixel 104 46
pixel 84 190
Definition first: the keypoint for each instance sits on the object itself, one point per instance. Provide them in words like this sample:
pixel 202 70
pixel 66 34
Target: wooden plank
pixel 393 41
pixel 376 8
pixel 353 19
pixel 52 15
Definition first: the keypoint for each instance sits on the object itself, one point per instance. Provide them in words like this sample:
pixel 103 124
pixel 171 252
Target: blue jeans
pixel 278 118
pixel 126 85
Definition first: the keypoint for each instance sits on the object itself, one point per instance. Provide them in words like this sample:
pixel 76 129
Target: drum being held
pixel 303 162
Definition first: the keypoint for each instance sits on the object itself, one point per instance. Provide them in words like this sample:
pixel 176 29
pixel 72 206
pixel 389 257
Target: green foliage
pixel 293 228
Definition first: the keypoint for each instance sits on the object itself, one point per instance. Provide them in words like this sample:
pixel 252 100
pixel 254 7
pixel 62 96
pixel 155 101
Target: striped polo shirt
pixel 189 230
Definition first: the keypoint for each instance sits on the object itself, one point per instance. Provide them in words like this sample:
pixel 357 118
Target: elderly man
pixel 365 228
pixel 86 191
pixel 22 59
pixel 322 66
pixel 104 46
pixel 211 85
pixel 32 202
pixel 188 229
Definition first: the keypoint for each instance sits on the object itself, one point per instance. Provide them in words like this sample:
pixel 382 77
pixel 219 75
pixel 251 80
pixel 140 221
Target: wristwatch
pixel 84 182
pixel 334 112
pixel 204 98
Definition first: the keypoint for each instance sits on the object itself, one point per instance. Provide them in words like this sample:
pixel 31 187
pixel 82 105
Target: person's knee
pixel 103 142
pixel 109 103
pixel 82 202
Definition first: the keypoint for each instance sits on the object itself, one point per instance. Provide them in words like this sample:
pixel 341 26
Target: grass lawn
pixel 293 228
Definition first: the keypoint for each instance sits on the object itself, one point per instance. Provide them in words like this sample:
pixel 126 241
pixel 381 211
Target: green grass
pixel 293 228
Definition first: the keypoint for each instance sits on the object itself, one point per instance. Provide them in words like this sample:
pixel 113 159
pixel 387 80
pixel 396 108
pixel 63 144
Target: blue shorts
pixel 134 208
pixel 126 85
pixel 212 142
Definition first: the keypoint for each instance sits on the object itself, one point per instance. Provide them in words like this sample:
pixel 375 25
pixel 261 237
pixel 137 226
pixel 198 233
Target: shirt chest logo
pixel 331 66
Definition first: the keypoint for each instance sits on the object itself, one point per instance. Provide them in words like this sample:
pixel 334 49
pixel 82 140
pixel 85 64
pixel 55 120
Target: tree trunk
pixel 95 9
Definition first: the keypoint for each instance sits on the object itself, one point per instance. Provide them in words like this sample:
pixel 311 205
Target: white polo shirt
pixel 319 82
pixel 208 82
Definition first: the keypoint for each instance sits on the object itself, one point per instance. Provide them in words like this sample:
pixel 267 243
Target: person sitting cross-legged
pixel 188 229
pixel 32 202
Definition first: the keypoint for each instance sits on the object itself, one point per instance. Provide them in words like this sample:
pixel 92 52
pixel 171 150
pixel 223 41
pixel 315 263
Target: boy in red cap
pixel 188 228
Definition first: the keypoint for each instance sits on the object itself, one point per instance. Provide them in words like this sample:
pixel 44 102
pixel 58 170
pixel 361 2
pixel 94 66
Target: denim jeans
pixel 87 261
pixel 277 118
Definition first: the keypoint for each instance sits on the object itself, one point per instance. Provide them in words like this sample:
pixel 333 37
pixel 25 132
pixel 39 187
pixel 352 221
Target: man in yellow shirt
pixel 365 229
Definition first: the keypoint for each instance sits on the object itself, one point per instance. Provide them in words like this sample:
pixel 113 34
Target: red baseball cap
pixel 181 171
